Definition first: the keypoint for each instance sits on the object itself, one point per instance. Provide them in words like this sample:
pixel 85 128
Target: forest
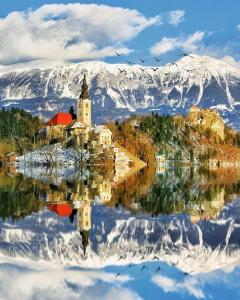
pixel 18 130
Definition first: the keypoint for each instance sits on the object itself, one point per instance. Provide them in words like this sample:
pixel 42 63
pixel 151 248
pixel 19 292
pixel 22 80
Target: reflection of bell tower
pixel 84 105
pixel 84 223
pixel 84 217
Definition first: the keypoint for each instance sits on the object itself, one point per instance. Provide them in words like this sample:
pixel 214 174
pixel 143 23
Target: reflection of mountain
pixel 116 238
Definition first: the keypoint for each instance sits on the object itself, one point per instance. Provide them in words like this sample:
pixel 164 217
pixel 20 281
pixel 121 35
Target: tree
pixel 72 112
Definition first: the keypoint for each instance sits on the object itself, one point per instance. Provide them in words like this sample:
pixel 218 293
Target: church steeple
pixel 84 93
pixel 84 105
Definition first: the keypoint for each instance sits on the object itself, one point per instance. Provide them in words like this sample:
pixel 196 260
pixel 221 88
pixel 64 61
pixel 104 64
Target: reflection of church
pixel 83 214
pixel 77 204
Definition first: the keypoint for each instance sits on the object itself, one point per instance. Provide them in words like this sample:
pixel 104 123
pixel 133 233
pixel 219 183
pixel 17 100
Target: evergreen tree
pixel 72 112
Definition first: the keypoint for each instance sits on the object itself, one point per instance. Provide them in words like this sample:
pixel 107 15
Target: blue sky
pixel 204 27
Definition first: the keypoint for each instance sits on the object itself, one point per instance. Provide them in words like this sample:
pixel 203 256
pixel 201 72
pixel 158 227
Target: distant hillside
pixel 198 137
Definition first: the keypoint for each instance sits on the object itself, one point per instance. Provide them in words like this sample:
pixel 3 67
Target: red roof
pixel 60 118
pixel 63 210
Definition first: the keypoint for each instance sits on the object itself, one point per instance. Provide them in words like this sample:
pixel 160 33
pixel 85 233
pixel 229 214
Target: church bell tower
pixel 84 105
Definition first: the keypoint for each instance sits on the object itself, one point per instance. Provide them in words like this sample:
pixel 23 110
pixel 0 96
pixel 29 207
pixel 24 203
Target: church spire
pixel 85 240
pixel 84 105
pixel 84 92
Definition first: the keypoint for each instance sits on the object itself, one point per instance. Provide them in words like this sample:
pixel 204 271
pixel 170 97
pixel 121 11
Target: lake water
pixel 89 234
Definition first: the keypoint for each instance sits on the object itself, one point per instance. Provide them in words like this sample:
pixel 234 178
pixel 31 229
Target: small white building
pixel 104 135
pixel 77 130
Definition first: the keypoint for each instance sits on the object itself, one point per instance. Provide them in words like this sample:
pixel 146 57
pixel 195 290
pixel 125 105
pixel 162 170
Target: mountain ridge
pixel 195 80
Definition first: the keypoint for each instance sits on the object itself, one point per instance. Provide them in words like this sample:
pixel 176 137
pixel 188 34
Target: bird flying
pixel 154 69
pixel 117 53
pixel 142 60
pixel 158 269
pixel 142 69
pixel 121 71
pixel 185 54
pixel 189 70
pixel 173 64
pixel 157 59
pixel 143 267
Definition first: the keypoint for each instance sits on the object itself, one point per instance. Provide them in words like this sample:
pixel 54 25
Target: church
pixel 65 126
pixel 70 129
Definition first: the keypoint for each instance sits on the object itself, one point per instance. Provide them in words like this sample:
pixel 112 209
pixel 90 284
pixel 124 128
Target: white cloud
pixel 165 45
pixel 191 43
pixel 176 17
pixel 167 284
pixel 189 285
pixel 69 32
pixel 238 27
pixel 33 280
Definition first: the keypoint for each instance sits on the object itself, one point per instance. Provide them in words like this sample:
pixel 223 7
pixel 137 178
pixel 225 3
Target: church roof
pixel 61 209
pixel 60 118
pixel 76 124
pixel 84 93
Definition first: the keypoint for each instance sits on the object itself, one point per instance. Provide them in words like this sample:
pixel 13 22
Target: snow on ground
pixel 53 154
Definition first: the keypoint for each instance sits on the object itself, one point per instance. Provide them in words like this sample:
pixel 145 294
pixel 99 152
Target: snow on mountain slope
pixel 199 80
pixel 117 238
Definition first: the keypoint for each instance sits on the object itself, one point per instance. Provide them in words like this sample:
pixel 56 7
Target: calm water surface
pixel 68 234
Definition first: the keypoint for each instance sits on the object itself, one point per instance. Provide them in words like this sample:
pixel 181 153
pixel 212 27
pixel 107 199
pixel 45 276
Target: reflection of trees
pixel 197 192
pixel 129 192
pixel 17 197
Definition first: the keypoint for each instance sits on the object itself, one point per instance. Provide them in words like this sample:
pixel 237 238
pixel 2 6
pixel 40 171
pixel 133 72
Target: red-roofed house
pixel 55 126
pixel 62 209
pixel 60 118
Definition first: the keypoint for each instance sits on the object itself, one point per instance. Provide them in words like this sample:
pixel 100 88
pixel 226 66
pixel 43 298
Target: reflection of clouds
pixel 21 281
pixel 190 285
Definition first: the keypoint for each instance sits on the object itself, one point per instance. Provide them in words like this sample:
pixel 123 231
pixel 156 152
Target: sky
pixel 44 30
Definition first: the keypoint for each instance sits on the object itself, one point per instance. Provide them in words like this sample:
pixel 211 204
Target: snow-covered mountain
pixel 200 80
pixel 118 238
